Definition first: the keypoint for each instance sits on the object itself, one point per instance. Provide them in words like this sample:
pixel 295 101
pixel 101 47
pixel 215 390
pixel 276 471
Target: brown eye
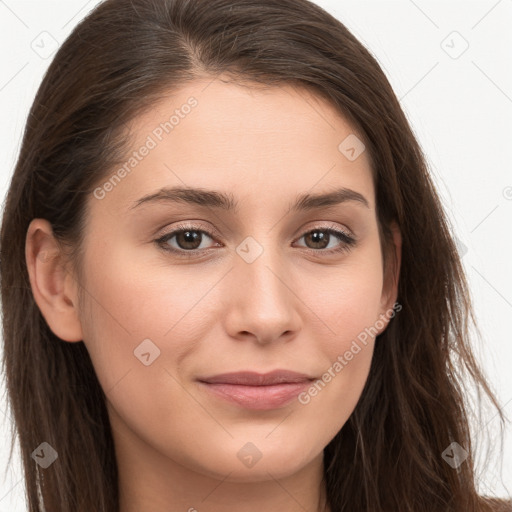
pixel 188 239
pixel 185 240
pixel 319 239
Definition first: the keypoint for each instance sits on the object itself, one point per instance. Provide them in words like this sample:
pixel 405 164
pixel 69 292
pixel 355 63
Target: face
pixel 182 288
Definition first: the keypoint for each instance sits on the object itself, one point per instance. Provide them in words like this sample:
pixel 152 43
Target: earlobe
pixel 53 287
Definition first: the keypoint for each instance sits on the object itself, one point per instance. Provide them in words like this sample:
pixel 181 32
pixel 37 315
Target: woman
pixel 227 280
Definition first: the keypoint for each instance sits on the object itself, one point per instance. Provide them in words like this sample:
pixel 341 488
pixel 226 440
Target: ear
pixel 53 287
pixel 391 275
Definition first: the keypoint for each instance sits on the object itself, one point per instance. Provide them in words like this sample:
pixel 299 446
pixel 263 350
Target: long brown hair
pixel 118 61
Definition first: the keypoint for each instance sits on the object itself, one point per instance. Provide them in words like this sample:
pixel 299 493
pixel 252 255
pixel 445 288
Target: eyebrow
pixel 226 201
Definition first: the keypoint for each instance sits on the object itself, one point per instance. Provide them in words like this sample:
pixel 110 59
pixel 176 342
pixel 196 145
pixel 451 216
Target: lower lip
pixel 258 397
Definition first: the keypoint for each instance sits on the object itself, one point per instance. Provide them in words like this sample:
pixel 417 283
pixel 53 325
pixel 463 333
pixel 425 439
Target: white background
pixel 460 109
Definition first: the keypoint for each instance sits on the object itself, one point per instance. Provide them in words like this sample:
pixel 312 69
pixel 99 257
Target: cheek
pixel 350 306
pixel 347 356
pixel 128 303
pixel 349 300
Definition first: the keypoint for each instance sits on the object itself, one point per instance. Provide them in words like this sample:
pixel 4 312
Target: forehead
pixel 255 142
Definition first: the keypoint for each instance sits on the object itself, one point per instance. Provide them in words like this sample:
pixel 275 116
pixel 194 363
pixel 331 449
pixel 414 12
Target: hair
pixel 123 57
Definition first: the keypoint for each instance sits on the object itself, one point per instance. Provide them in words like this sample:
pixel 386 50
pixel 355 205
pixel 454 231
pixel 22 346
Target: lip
pixel 257 391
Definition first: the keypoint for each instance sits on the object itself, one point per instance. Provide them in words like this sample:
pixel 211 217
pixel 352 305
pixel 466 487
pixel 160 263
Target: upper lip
pixel 249 378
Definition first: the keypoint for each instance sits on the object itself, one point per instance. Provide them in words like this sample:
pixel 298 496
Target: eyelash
pixel 348 241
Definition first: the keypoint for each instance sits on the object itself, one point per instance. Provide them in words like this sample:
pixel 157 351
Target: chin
pixel 251 464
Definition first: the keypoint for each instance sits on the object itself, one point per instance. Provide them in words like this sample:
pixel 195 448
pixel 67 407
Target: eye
pixel 321 237
pixel 188 240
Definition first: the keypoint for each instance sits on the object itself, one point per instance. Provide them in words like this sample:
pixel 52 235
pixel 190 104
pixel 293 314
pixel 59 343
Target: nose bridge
pixel 263 304
pixel 257 268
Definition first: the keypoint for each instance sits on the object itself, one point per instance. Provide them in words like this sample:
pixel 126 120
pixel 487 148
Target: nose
pixel 261 304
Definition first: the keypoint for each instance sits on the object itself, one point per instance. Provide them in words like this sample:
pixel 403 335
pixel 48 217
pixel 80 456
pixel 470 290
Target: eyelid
pixel 346 238
pixel 326 227
pixel 187 226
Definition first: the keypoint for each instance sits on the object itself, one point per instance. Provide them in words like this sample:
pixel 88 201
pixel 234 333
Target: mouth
pixel 256 391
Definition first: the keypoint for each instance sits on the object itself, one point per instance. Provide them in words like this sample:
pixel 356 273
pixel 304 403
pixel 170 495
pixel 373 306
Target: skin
pixel 295 307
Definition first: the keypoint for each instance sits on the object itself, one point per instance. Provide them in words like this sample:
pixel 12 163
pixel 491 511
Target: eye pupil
pixel 319 237
pixel 189 237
